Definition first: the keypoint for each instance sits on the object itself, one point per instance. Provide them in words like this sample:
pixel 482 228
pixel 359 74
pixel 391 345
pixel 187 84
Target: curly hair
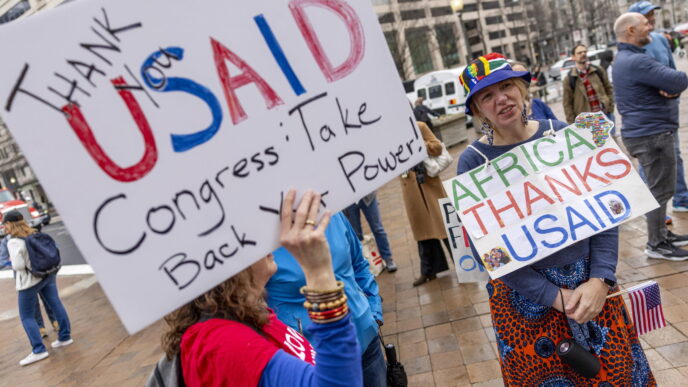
pixel 238 298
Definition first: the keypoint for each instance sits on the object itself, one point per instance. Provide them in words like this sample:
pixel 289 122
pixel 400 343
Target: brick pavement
pixel 442 329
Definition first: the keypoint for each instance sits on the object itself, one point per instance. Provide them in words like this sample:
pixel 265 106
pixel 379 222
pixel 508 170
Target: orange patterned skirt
pixel 527 334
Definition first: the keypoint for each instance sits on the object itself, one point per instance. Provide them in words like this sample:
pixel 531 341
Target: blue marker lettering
pixel 182 142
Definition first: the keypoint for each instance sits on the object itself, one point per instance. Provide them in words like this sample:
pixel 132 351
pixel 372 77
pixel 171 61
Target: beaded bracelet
pixel 317 306
pixel 325 306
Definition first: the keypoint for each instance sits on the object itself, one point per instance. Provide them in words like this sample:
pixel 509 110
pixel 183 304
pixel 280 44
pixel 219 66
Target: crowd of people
pixel 310 312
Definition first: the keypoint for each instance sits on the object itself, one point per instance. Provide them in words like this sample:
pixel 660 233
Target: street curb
pixel 66 292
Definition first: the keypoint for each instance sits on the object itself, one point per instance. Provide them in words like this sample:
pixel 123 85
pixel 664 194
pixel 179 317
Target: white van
pixel 442 91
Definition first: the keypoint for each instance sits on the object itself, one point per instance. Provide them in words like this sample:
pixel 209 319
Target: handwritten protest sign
pixel 467 267
pixel 545 195
pixel 166 132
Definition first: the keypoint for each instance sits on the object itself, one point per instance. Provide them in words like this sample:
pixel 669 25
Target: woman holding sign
pixel 229 337
pixel 563 295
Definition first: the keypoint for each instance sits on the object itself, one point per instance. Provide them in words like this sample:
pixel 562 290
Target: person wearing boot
pixel 420 199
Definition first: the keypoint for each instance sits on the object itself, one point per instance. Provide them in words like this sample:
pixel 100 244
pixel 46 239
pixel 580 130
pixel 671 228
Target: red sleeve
pixel 222 353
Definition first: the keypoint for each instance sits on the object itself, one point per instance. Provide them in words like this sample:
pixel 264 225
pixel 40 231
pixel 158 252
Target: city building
pixel 428 35
pixel 15 172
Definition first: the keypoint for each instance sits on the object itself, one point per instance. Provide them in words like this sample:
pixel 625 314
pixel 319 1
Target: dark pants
pixel 657 156
pixel 681 194
pixel 374 366
pixel 432 258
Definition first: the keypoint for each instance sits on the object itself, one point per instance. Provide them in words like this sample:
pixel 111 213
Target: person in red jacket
pixel 229 336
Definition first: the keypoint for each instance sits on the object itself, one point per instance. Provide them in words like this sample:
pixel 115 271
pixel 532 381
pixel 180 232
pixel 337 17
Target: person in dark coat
pixel 423 113
pixel 420 194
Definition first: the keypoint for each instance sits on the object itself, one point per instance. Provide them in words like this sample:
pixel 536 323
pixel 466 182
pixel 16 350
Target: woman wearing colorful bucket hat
pixel 527 305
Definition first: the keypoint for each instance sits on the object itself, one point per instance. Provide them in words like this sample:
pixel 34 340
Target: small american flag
pixel 647 307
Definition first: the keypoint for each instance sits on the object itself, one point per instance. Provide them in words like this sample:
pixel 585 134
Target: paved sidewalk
pixel 442 329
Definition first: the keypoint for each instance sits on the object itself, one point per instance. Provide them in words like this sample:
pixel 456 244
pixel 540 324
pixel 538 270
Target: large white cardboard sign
pixel 468 269
pixel 545 195
pixel 167 131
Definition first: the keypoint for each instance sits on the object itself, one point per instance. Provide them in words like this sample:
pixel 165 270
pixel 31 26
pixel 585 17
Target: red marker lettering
pixel 83 131
pixel 230 84
pixel 353 25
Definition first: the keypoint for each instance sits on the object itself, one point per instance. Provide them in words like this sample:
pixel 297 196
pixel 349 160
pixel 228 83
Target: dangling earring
pixel 487 130
pixel 524 114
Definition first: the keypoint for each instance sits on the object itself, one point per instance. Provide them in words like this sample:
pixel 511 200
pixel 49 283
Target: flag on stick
pixel 646 304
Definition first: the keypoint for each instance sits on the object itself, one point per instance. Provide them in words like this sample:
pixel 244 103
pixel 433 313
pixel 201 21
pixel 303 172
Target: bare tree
pixel 406 37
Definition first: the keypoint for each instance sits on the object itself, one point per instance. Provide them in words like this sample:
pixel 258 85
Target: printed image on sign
pixel 166 134
pixel 545 195
pixel 468 269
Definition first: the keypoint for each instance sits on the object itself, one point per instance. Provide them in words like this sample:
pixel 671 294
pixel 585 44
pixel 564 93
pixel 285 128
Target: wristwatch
pixel 607 282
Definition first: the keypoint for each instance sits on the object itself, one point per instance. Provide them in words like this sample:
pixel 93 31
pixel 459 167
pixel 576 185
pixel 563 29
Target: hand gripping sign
pixel 547 194
pixel 166 132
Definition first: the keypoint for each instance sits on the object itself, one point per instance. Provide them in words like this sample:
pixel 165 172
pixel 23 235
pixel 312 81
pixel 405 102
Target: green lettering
pixel 479 183
pixel 543 161
pixel 465 193
pixel 568 132
pixel 530 161
pixel 514 165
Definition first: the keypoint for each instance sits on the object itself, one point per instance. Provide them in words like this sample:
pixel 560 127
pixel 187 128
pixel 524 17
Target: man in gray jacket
pixel 644 90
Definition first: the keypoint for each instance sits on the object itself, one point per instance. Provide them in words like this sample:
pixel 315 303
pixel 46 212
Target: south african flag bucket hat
pixel 486 71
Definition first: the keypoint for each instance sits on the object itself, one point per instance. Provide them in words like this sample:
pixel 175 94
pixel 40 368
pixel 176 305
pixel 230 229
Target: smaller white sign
pixel 468 269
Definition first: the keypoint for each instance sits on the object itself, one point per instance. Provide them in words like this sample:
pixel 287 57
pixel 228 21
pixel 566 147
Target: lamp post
pixel 457 8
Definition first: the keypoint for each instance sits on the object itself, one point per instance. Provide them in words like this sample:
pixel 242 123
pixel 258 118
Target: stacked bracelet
pixel 329 313
pixel 326 306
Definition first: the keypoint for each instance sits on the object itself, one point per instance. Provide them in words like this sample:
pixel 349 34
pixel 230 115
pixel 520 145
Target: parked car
pixel 556 69
pixel 682 29
pixel 33 217
pixel 560 69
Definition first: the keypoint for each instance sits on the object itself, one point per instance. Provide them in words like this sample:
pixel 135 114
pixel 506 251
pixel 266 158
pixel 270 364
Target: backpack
pixel 167 373
pixel 43 254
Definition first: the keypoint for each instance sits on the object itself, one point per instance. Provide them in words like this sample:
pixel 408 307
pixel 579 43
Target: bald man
pixel 644 90
pixel 660 49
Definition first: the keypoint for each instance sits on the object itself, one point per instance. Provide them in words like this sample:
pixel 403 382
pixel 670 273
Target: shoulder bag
pixel 436 164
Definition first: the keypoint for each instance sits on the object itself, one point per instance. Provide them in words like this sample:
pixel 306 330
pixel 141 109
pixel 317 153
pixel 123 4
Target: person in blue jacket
pixel 645 91
pixel 365 304
pixel 228 336
pixel 537 109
